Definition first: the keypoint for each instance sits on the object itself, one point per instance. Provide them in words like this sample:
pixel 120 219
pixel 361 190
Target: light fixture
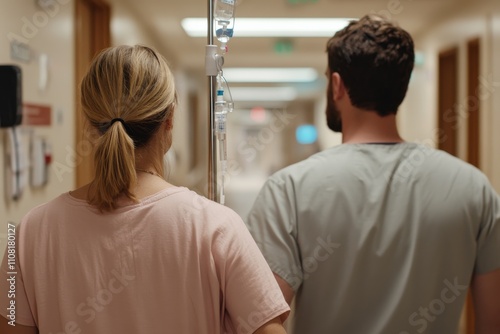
pixel 263 94
pixel 270 74
pixel 272 27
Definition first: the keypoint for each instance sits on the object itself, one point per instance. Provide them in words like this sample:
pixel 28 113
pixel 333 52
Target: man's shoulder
pixel 312 165
pixel 341 159
pixel 447 162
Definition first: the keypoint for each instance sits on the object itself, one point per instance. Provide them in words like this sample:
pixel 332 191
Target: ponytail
pixel 114 168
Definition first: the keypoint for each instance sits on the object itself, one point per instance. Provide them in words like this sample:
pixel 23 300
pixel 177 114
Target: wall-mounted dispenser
pixel 11 102
pixel 16 163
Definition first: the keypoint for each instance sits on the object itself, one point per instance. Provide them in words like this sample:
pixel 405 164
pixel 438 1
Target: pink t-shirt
pixel 174 263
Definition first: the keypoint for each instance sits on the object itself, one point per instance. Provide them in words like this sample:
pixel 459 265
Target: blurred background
pixel 453 100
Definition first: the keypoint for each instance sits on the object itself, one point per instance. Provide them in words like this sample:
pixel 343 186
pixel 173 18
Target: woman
pixel 129 252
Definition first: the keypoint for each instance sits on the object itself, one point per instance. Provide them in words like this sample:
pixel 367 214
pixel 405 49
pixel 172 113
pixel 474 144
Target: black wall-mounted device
pixel 11 101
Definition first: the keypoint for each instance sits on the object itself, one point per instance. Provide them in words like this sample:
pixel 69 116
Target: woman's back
pixel 170 263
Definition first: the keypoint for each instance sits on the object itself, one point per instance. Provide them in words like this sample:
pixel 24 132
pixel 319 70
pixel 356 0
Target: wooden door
pixel 92 19
pixel 447 101
pixel 473 103
pixel 473 139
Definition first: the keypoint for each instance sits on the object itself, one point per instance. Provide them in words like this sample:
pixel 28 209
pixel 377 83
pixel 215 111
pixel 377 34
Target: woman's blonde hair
pixel 126 95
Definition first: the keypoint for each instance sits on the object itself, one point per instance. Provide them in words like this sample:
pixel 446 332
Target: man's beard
pixel 333 119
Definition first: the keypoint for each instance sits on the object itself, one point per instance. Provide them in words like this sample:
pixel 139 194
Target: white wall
pixel 127 28
pixel 418 115
pixel 186 129
pixel 53 34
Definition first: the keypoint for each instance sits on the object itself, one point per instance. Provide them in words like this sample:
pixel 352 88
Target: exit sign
pixel 283 46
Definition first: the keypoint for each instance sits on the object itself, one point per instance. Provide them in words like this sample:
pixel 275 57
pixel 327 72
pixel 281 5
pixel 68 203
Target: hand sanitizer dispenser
pixel 10 96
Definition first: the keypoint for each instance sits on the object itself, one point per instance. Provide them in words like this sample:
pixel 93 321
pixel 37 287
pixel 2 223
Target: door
pixel 473 140
pixel 447 101
pixel 92 35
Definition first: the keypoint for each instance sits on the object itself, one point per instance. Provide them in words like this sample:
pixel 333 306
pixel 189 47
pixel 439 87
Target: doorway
pixel 93 33
pixel 447 101
pixel 473 103
pixel 473 138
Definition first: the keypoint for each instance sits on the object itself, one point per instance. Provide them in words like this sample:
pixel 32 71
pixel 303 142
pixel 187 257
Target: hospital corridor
pixel 250 166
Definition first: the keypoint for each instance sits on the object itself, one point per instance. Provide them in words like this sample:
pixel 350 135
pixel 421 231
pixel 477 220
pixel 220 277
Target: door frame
pixel 92 34
pixel 473 139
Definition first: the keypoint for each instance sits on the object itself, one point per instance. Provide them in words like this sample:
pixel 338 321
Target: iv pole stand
pixel 212 163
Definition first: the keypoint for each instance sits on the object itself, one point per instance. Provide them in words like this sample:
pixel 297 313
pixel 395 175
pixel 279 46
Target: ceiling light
pixel 271 74
pixel 272 27
pixel 262 94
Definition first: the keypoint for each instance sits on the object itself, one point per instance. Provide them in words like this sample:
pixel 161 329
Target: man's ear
pixel 338 87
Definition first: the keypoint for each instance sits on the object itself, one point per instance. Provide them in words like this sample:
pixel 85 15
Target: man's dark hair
pixel 375 59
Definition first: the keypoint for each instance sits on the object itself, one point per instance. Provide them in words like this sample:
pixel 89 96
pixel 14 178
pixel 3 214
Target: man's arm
pixel 286 289
pixel 17 329
pixel 272 327
pixel 486 297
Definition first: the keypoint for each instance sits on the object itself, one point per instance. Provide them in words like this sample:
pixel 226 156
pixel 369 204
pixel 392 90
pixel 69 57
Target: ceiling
pixel 163 19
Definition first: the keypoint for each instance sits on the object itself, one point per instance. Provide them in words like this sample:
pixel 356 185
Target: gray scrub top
pixel 378 238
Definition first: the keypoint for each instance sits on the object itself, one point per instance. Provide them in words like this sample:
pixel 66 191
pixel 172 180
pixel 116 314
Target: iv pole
pixel 212 154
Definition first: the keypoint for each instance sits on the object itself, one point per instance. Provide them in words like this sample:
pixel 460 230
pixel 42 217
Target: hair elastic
pixel 116 120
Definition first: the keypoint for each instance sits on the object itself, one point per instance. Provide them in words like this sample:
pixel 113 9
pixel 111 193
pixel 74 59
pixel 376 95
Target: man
pixel 378 235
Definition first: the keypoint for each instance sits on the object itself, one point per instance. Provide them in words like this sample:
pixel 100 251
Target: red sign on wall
pixel 35 114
